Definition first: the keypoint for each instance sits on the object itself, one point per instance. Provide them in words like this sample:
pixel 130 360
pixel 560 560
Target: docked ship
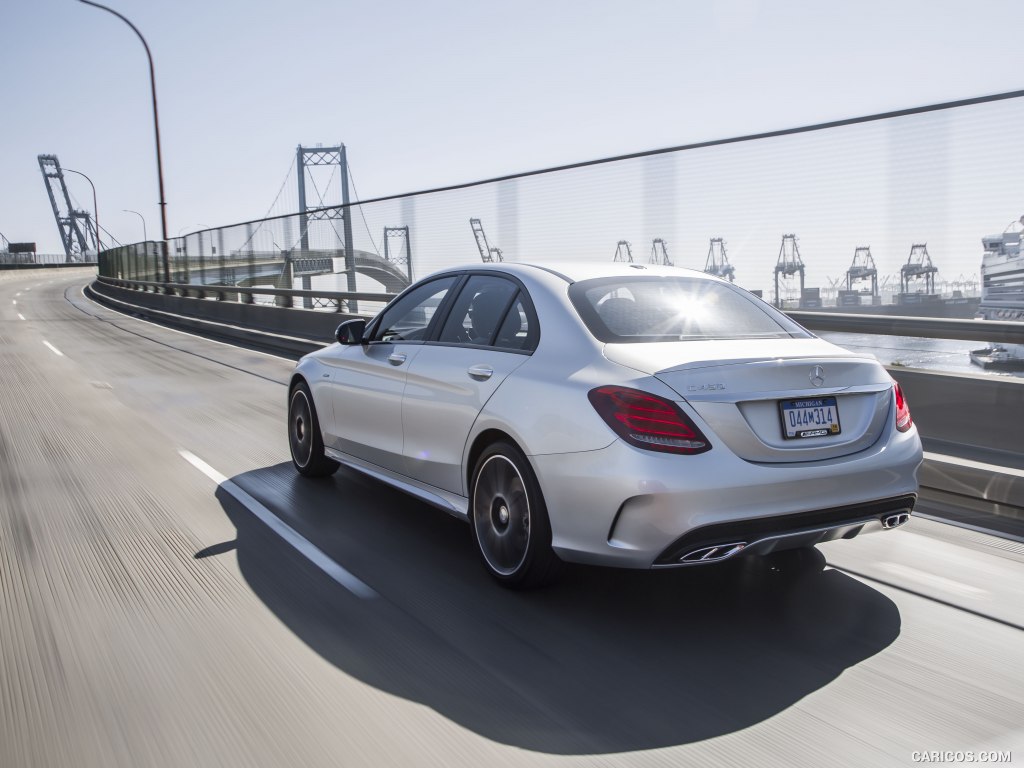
pixel 1002 295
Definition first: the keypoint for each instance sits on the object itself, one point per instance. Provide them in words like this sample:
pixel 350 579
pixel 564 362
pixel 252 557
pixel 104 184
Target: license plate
pixel 813 417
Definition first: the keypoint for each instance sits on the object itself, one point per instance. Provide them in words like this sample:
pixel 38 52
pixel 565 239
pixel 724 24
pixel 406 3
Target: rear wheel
pixel 304 437
pixel 509 520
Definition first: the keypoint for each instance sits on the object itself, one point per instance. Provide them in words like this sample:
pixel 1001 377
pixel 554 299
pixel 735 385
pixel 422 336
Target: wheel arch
pixel 295 380
pixel 480 443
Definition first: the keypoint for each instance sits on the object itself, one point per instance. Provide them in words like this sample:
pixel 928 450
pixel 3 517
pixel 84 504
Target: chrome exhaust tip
pixel 712 554
pixel 895 521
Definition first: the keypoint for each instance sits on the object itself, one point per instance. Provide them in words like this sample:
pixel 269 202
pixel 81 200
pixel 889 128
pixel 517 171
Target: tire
pixel 509 521
pixel 304 438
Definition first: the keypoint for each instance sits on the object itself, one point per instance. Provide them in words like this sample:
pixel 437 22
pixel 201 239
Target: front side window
pixel 648 309
pixel 409 318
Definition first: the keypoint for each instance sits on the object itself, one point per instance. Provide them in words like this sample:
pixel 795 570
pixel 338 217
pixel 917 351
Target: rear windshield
pixel 655 308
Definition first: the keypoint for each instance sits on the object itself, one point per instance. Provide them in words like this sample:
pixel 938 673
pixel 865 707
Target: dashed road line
pixel 301 544
pixel 21 316
pixel 53 349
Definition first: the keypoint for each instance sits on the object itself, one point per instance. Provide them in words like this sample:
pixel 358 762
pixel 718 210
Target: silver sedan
pixel 616 414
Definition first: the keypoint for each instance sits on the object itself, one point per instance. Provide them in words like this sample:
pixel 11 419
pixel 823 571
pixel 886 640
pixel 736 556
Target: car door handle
pixel 482 372
pixel 396 358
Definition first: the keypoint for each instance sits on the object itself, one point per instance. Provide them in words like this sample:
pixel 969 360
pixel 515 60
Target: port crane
pixel 717 263
pixel 488 253
pixel 77 229
pixel 862 268
pixel 788 264
pixel 623 252
pixel 659 253
pixel 919 266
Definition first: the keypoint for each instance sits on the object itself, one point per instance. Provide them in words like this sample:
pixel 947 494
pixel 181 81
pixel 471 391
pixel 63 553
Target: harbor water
pixel 911 352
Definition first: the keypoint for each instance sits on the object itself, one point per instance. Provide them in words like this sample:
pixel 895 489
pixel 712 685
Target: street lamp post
pixel 145 237
pixel 95 208
pixel 156 129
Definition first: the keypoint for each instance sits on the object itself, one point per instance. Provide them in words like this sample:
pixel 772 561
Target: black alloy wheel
pixel 509 520
pixel 304 438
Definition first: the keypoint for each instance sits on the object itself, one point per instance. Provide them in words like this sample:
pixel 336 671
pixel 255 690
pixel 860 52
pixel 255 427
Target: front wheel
pixel 509 520
pixel 304 438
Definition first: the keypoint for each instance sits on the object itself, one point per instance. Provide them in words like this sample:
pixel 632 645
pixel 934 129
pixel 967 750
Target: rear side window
pixel 491 311
pixel 517 331
pixel 478 311
pixel 648 309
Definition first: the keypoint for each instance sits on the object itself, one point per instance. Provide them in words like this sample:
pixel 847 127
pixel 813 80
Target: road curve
pixel 171 593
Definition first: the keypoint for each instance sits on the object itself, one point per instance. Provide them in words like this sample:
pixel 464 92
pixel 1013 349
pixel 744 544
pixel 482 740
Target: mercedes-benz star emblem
pixel 817 376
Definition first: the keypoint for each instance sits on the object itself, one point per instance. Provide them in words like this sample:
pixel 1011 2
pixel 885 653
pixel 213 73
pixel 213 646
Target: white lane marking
pixel 305 547
pixel 53 349
pixel 994 468
pixel 14 302
pixel 21 316
pixel 931 580
pixel 18 293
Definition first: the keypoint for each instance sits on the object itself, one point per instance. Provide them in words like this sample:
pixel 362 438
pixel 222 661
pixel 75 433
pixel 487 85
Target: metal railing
pixel 334 301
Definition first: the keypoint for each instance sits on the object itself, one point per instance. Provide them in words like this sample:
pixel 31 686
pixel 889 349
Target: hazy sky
pixel 430 93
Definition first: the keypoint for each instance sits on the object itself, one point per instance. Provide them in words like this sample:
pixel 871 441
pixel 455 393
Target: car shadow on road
pixel 606 661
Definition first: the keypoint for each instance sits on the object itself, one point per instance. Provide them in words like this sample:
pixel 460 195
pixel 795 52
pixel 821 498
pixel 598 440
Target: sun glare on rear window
pixel 639 309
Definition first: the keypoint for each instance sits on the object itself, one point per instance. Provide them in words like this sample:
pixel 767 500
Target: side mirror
pixel 350 332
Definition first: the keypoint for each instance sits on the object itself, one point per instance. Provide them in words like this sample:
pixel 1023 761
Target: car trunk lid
pixel 835 403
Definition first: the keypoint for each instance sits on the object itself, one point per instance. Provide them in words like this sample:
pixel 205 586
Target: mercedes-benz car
pixel 615 414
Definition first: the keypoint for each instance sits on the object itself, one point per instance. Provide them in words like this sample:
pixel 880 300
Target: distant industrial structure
pixel 623 252
pixel 659 253
pixel 788 264
pixel 863 268
pixel 77 229
pixel 717 263
pixel 918 267
pixel 488 253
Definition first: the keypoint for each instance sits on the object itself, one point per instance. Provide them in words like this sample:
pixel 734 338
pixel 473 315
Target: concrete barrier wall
pixel 280 321
pixel 974 413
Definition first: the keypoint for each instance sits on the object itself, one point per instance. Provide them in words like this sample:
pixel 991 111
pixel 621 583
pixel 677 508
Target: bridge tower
pixel 788 264
pixel 623 252
pixel 77 231
pixel 717 263
pixel 659 253
pixel 488 252
pixel 919 265
pixel 311 157
pixel 400 256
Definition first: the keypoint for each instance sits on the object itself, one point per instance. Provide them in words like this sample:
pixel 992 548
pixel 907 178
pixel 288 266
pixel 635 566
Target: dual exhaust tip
pixel 722 551
pixel 895 521
pixel 711 554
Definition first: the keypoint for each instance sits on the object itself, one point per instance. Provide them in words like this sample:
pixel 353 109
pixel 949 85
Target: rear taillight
pixel 903 420
pixel 648 421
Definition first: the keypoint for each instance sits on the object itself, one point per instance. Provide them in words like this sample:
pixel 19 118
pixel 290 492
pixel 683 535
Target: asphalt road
pixel 150 615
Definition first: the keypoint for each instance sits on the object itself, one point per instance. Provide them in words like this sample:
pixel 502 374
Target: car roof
pixel 574 271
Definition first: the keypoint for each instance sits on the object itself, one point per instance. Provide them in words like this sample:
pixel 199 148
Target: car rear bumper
pixel 627 507
pixel 764 535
